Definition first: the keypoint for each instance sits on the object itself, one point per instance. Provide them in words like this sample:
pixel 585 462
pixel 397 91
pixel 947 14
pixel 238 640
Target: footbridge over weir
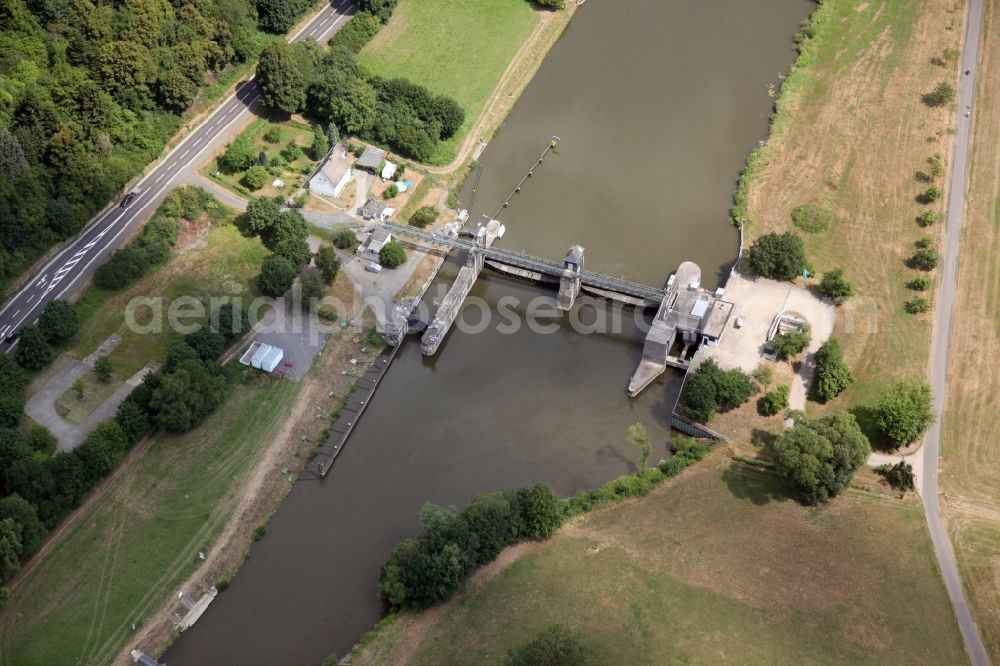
pixel 527 266
pixel 687 315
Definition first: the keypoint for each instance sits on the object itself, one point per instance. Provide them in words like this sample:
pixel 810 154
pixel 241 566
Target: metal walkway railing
pixel 531 263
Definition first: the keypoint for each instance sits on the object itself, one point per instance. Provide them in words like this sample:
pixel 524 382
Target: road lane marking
pixel 184 154
pixel 160 177
pixel 128 215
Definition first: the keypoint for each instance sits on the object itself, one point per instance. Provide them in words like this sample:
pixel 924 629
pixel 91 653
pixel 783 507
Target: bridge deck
pixel 531 263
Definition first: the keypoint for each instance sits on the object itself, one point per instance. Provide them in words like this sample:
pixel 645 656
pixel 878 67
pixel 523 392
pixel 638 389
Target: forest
pixel 90 92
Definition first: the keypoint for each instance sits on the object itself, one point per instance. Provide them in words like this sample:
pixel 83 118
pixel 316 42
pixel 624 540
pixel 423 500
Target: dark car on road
pixel 11 337
pixel 129 198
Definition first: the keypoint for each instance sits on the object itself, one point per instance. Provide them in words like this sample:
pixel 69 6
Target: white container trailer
pixel 262 356
pixel 272 359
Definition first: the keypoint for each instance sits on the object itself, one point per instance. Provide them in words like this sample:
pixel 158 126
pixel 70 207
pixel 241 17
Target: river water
pixel 656 103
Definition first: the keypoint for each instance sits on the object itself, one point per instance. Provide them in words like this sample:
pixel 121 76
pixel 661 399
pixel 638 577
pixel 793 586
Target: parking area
pixel 759 301
pixel 300 335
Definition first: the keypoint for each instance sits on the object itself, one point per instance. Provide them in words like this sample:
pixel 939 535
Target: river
pixel 656 104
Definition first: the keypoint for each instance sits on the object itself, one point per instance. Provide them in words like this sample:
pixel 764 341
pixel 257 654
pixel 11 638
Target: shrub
pixel 924 259
pixel 327 263
pixel 33 351
pixel 832 374
pixel 710 389
pixel 103 369
pixel 390 191
pixel 125 267
pixel 773 402
pixel 791 344
pixel 928 218
pixel 41 440
pixel 59 320
pixel 239 156
pixel 273 134
pixel 835 286
pixel 900 476
pixel 357 32
pixel 255 177
pixel 904 412
pixel 930 195
pixel 345 239
pixel 920 283
pixel 777 256
pixel 276 276
pixel 811 218
pixel 392 254
pixel 310 287
pixel 764 375
pixel 917 305
pixel 556 646
pixel 292 151
pixel 935 166
pixel 424 216
pixel 925 242
pixel 943 93
pixel 320 144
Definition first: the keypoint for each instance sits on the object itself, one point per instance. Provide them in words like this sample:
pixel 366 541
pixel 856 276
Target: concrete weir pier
pixel 452 302
pixel 688 317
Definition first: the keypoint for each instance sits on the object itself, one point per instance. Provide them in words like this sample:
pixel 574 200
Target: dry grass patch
pixel 852 132
pixel 717 566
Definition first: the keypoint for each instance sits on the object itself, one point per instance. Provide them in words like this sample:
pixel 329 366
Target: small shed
pixel 371 159
pixel 388 171
pixel 376 210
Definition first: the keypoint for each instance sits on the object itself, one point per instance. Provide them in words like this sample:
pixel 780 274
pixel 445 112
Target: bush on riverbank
pixel 426 570
pixel 710 389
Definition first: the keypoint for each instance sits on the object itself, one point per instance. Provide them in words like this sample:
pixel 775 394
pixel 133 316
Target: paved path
pixel 42 406
pixel 67 272
pixel 942 339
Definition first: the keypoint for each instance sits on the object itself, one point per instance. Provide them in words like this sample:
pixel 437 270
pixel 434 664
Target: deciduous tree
pixel 904 412
pixel 820 456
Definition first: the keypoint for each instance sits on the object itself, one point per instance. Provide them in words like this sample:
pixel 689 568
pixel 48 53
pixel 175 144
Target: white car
pixel 372 267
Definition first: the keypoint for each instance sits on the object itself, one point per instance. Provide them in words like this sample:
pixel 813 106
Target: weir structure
pixel 687 315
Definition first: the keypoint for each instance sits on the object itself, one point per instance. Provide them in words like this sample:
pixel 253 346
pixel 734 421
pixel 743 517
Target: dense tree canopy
pixel 904 412
pixel 427 570
pixel 820 456
pixel 90 92
pixel 59 320
pixel 710 389
pixel 777 256
pixel 832 374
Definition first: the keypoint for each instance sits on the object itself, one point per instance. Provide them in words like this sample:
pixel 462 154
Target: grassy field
pixel 129 551
pixel 718 566
pixel 850 135
pixel 970 476
pixel 224 263
pixel 453 47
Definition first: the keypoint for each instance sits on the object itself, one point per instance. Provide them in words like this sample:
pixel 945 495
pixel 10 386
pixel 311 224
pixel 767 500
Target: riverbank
pixel 409 31
pixel 717 565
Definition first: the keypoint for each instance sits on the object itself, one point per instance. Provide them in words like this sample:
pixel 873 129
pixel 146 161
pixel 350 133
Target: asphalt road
pixel 67 273
pixel 942 340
